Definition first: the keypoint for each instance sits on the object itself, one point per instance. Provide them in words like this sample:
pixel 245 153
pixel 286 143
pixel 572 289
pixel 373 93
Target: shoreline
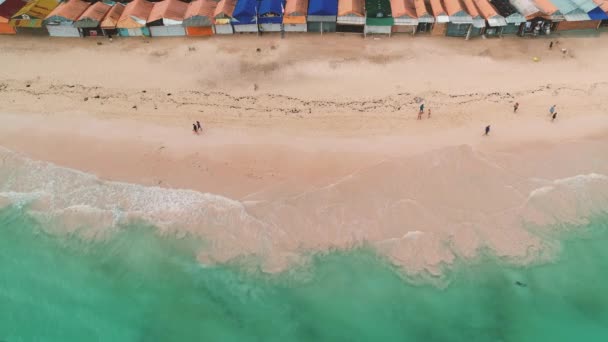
pixel 289 168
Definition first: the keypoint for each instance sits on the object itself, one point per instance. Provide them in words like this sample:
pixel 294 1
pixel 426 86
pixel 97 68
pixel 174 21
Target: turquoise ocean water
pixel 138 286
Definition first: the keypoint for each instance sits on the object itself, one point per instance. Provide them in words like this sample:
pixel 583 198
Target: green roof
pixel 379 21
pixel 378 9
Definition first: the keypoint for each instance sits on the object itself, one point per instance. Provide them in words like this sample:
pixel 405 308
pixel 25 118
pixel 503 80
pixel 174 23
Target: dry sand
pixel 314 142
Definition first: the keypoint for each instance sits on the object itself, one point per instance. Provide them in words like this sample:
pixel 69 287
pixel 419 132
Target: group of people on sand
pixel 421 112
pixel 552 112
pixel 197 128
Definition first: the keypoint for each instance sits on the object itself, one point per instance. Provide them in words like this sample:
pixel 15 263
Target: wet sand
pixel 315 146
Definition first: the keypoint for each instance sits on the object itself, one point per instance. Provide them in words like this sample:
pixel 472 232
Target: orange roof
pixel 453 6
pixel 400 8
pixel 604 6
pixel 346 7
pixel 71 10
pixel 168 9
pixel 486 8
pixel 437 8
pixel 224 8
pixel 471 8
pixel 135 15
pixel 113 15
pixel 296 8
pixel 96 12
pixel 421 9
pixel 203 8
pixel 546 6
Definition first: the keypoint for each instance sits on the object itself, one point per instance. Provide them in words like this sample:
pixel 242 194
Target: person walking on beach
pixel 551 45
pixel 552 109
pixel 194 129
pixel 515 107
pixel 487 130
pixel 198 125
pixel 554 117
pixel 422 108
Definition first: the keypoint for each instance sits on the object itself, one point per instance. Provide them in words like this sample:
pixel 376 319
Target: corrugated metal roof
pixel 453 7
pixel 479 23
pixel 470 7
pixel 351 7
pixel 497 21
pixel 526 7
pixel 437 8
pixel 486 10
pixel 323 7
pixel 295 8
pixel 585 5
pixel 113 15
pixel 135 15
pixel 37 9
pixel 577 17
pixel 96 12
pixel 378 9
pixel 224 9
pixel 201 8
pixel 546 6
pixel 93 16
pixel 9 7
pixel 403 8
pixel 565 6
pixel 598 14
pixel 68 11
pixel 168 9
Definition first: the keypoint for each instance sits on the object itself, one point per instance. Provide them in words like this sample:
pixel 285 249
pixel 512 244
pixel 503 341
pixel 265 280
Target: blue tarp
pixel 597 14
pixel 244 12
pixel 271 11
pixel 323 7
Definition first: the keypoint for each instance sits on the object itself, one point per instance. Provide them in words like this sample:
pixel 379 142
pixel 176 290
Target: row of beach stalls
pixel 456 18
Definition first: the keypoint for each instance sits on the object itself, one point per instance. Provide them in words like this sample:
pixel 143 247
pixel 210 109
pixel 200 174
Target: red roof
pixel 9 7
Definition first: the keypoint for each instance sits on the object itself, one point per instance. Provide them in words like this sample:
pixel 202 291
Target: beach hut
pixel 166 18
pixel 270 15
pixel 513 18
pixel 132 22
pixel 8 8
pixel 478 23
pixel 244 17
pixel 222 16
pixel 604 7
pixel 599 13
pixel 442 18
pixel 60 22
pixel 378 17
pixel 108 24
pixel 495 22
pixel 322 15
pixel 575 15
pixel 198 19
pixel 90 20
pixel 545 23
pixel 425 18
pixel 460 19
pixel 31 16
pixel 294 19
pixel 351 16
pixel 404 15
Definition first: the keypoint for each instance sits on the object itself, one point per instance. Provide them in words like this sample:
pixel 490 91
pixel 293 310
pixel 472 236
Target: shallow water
pixel 138 286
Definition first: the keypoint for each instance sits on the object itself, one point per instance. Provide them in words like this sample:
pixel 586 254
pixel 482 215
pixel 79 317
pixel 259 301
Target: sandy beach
pixel 312 143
